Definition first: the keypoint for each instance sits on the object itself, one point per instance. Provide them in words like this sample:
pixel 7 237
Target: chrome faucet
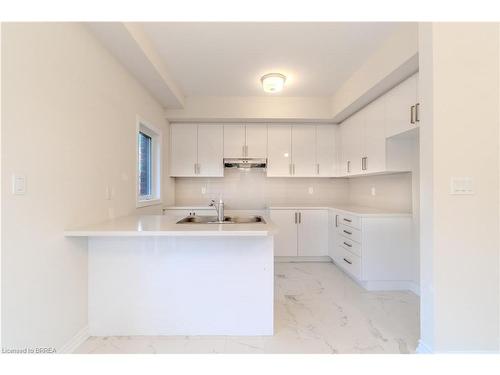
pixel 219 208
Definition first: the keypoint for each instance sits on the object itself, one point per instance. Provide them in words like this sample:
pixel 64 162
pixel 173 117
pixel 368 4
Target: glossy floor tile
pixel 318 309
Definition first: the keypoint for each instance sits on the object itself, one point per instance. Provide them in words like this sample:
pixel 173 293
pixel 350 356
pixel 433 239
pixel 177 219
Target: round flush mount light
pixel 273 82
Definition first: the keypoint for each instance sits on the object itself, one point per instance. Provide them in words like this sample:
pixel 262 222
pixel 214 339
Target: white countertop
pixel 160 225
pixel 350 209
pixel 361 211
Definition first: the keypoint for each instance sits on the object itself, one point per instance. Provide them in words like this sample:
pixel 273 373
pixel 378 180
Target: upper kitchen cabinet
pixel 279 156
pixel 210 150
pixel 245 141
pixel 373 158
pixel 234 141
pixel 302 150
pixel 326 150
pixel 183 150
pixel 403 107
pixel 256 141
pixel 351 144
pixel 196 150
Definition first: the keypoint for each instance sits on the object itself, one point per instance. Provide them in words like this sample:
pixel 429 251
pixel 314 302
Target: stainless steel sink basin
pixel 227 220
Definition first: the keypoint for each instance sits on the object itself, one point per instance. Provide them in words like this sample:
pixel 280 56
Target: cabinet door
pixel 374 136
pixel 304 150
pixel 352 141
pixel 326 150
pixel 183 149
pixel 234 141
pixel 399 102
pixel 313 233
pixel 285 240
pixel 256 141
pixel 210 150
pixel 279 157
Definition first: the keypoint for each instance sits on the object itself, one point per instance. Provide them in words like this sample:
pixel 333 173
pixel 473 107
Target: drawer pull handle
pixel 347 244
pixel 348 220
pixel 345 260
pixel 349 233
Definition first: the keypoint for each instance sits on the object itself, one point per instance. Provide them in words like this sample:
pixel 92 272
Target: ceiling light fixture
pixel 273 82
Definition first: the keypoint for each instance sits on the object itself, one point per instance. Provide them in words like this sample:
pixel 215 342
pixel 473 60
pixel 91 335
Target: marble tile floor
pixel 318 309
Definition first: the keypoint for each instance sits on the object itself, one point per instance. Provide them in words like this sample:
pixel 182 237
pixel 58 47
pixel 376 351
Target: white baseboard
pixel 298 259
pixel 423 348
pixel 75 341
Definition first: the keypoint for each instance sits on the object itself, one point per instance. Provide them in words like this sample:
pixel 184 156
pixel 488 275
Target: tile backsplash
pixel 252 189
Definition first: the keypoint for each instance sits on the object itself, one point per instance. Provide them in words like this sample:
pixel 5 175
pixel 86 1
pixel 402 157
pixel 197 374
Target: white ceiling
pixel 228 59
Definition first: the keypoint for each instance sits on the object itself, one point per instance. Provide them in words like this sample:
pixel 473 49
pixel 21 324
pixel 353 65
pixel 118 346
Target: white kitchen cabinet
pixel 373 137
pixel 301 232
pixel 312 233
pixel 326 150
pixel 256 141
pixel 351 133
pixel 196 150
pixel 304 151
pixel 279 158
pixel 403 108
pixel 285 240
pixel 374 250
pixel 234 141
pixel 248 141
pixel 183 150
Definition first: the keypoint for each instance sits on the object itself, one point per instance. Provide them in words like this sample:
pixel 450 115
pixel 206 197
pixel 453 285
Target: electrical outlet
pixel 18 185
pixel 203 190
pixel 310 190
pixel 373 191
pixel 461 186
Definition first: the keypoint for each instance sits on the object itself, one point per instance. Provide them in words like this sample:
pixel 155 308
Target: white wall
pixel 253 108
pixel 253 190
pixel 394 61
pixel 68 125
pixel 459 75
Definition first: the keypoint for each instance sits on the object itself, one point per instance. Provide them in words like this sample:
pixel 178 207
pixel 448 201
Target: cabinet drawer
pixel 349 262
pixel 349 220
pixel 350 233
pixel 352 246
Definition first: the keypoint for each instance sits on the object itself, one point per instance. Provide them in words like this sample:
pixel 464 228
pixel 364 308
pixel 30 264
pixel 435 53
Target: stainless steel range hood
pixel 245 163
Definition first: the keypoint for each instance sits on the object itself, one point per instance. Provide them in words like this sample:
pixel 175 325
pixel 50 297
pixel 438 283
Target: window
pixel 148 165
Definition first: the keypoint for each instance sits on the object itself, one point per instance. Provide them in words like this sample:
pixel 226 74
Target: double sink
pixel 227 220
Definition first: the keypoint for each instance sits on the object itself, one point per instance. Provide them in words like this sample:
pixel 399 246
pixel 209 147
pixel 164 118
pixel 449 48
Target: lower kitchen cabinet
pixel 374 250
pixel 301 232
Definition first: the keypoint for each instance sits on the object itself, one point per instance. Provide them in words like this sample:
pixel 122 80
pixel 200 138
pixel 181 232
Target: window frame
pixel 156 135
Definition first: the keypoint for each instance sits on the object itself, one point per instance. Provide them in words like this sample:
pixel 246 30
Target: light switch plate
pixel 18 185
pixel 461 186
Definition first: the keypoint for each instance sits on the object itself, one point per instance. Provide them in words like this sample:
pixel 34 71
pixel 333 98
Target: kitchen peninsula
pixel 149 275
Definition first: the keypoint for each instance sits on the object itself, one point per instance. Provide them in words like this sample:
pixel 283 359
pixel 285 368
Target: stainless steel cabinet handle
pixel 347 244
pixel 336 220
pixel 345 260
pixel 317 168
pixel 348 220
pixel 348 166
pixel 417 112
pixel 195 169
pixel 412 114
pixel 363 162
pixel 300 217
pixel 296 218
pixel 349 233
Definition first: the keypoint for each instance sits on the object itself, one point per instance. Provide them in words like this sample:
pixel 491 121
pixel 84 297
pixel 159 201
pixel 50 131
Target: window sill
pixel 149 202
